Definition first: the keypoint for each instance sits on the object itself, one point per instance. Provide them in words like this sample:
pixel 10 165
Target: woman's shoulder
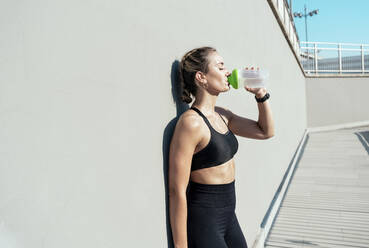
pixel 189 121
pixel 188 128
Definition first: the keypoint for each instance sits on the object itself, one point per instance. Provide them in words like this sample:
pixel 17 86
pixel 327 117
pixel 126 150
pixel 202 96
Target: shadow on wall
pixel 167 136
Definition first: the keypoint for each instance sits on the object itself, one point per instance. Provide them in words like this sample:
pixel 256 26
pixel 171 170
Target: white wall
pixel 335 100
pixel 87 111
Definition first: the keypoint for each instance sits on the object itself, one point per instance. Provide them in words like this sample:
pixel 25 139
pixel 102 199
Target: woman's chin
pixel 226 89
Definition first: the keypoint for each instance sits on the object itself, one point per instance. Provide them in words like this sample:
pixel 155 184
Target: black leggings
pixel 211 218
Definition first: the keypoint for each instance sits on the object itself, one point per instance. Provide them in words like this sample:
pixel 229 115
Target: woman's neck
pixel 206 103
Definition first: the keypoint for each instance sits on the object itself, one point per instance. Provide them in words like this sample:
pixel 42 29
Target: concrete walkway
pixel 327 202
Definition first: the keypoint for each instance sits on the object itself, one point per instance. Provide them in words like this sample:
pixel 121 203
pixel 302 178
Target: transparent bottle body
pixel 252 78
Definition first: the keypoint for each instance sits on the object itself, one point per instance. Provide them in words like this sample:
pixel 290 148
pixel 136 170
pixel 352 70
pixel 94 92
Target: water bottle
pixel 251 78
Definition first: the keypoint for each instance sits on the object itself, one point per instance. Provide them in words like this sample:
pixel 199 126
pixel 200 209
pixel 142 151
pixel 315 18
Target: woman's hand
pixel 259 92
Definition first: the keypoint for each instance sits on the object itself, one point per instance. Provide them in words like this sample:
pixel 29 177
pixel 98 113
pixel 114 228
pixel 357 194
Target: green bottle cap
pixel 233 79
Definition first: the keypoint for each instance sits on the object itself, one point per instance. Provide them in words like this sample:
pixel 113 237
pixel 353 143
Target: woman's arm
pixel 185 139
pixel 265 121
pixel 244 127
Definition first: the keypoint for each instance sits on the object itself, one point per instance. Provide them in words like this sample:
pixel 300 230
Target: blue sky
pixel 337 20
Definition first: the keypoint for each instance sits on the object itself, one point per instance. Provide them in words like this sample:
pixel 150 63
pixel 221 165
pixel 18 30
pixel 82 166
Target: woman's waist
pixel 220 174
pixel 211 195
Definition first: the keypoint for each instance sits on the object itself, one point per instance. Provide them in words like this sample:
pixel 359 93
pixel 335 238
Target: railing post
pixel 316 58
pixel 362 59
pixel 340 58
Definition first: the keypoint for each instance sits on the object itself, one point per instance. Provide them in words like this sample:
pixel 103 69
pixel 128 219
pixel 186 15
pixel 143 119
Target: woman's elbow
pixel 176 192
pixel 269 135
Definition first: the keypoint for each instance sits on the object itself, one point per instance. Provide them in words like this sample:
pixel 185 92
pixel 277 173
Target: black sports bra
pixel 219 150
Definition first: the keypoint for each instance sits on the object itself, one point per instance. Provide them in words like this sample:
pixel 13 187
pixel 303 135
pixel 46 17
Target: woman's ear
pixel 200 78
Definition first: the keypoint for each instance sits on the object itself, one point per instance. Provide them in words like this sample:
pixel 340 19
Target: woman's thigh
pixel 206 227
pixel 234 237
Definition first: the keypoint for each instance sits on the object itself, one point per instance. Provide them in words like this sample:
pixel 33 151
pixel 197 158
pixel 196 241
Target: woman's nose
pixel 228 73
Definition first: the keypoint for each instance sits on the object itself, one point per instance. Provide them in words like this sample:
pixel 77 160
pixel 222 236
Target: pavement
pixel 327 201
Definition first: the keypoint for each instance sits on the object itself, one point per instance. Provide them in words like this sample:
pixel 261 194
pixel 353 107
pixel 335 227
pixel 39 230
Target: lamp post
pixel 300 15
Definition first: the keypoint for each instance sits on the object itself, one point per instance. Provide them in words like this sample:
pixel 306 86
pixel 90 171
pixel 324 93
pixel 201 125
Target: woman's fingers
pixel 252 68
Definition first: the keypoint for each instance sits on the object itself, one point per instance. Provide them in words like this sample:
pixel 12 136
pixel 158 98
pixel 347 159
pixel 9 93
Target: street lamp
pixel 300 15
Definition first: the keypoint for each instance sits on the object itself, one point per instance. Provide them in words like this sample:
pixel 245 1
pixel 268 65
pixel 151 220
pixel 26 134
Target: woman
pixel 201 155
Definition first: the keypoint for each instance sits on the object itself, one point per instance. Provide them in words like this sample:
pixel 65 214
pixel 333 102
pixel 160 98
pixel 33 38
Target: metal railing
pixel 284 16
pixel 334 58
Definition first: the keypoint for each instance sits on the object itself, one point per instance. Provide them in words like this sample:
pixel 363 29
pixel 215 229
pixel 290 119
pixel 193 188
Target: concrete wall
pixel 334 101
pixel 88 106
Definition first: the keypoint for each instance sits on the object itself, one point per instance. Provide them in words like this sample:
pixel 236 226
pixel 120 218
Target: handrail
pixel 346 62
pixel 283 14
pixel 333 43
pixel 287 6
